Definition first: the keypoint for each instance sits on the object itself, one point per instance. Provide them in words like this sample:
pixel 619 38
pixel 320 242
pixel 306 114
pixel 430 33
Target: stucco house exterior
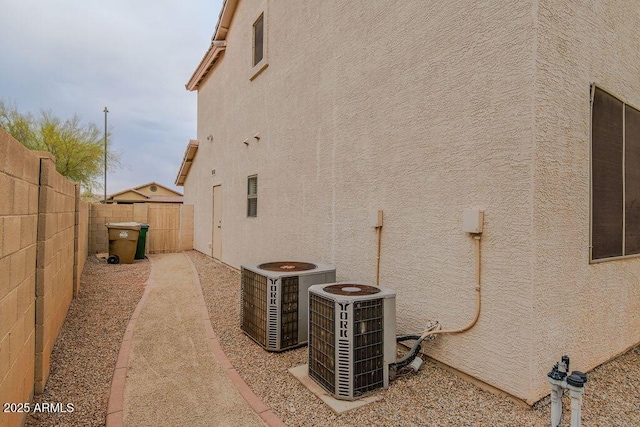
pixel 151 192
pixel 313 116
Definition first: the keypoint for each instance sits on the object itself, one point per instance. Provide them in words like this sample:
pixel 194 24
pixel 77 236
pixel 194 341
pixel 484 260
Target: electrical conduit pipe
pixel 429 333
pixel 413 352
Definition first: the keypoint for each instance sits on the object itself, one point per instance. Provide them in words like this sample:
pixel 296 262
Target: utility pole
pixel 105 154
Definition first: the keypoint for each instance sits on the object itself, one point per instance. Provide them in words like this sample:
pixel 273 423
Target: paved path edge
pixel 115 407
pixel 256 404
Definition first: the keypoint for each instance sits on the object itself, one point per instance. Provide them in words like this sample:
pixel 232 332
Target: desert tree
pixel 78 147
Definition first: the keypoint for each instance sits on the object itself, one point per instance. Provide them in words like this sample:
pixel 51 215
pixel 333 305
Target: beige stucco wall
pixel 590 312
pixel 419 111
pixel 423 112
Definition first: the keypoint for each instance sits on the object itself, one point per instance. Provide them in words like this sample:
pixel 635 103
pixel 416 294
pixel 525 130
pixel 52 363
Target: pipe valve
pixel 560 381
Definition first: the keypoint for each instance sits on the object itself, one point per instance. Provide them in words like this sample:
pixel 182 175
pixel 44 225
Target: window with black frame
pixel 615 177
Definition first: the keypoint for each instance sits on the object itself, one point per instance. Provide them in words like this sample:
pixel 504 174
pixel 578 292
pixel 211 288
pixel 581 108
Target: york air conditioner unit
pixel 352 338
pixel 274 299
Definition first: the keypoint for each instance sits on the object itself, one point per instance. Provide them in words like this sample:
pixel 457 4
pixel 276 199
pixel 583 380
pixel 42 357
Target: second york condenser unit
pixel 352 338
pixel 274 300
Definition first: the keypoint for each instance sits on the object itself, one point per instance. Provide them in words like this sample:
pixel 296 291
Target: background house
pixel 313 116
pixel 151 192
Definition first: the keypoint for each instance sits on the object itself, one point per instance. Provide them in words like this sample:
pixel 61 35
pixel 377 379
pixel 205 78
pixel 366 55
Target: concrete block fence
pixel 43 247
pixel 46 234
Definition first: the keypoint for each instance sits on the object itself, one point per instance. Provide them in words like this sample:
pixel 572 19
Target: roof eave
pixel 189 155
pixel 205 65
pixel 217 46
pixel 132 190
pixel 224 19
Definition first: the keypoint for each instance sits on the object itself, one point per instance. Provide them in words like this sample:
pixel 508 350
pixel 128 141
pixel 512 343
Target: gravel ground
pixel 432 397
pixel 84 357
pixel 85 353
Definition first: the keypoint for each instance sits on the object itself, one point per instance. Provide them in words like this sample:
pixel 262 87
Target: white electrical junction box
pixel 472 221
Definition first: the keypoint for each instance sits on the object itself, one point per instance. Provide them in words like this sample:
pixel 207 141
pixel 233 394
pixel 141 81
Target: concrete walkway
pixel 171 370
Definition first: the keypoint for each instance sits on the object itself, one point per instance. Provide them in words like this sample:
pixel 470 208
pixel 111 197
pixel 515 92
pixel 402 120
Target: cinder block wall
pixel 99 216
pixel 55 263
pixel 19 170
pixel 43 241
pixel 82 240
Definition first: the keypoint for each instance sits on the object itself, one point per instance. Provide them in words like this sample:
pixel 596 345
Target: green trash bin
pixel 142 241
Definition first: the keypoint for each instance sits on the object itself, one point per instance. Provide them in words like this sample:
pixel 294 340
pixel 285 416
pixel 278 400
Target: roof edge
pixel 205 65
pixel 128 190
pixel 158 185
pixel 217 46
pixel 137 188
pixel 185 167
pixel 224 19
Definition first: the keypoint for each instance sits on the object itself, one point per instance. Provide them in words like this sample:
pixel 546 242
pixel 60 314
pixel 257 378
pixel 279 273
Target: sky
pixel 132 56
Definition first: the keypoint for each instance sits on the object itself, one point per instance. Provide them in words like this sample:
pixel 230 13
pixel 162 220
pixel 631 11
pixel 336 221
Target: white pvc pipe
pixel 576 406
pixel 556 405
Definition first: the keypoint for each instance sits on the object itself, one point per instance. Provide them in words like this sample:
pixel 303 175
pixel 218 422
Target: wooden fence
pixel 170 225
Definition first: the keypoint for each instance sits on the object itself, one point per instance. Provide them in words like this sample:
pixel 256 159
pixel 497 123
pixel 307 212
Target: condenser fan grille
pixel 254 305
pixel 287 266
pixel 322 341
pixel 289 312
pixel 368 349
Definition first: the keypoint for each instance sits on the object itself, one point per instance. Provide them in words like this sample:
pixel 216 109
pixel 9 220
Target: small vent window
pixel 252 196
pixel 258 40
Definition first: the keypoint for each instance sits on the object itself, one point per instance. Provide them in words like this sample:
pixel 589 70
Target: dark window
pixel 258 40
pixel 632 180
pixel 615 177
pixel 606 181
pixel 252 196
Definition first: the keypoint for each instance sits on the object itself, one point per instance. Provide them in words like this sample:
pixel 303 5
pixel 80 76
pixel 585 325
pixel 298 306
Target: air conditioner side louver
pixel 274 297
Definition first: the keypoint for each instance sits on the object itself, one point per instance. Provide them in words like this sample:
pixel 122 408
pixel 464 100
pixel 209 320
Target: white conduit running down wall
pixel 473 220
pixel 429 333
